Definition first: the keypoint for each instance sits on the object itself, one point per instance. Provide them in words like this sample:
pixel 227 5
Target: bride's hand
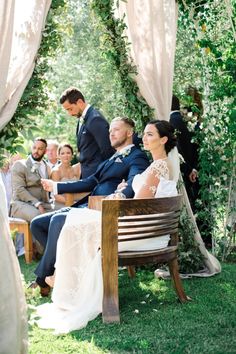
pixel 47 184
pixel 116 195
pixel 122 186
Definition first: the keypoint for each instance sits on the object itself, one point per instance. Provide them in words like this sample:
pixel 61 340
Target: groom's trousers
pixel 46 229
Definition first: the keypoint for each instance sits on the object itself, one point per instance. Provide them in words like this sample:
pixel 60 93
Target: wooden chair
pixel 130 220
pixel 71 198
pixel 22 225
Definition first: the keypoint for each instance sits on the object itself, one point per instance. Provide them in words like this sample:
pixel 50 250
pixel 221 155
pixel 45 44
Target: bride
pixel 78 286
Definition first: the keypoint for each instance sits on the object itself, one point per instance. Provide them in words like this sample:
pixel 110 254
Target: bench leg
pixel 110 306
pixel 131 271
pixel 174 272
pixel 28 245
pixel 109 251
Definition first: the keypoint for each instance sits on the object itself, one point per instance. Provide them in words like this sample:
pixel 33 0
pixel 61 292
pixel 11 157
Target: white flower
pixel 126 153
pixel 35 168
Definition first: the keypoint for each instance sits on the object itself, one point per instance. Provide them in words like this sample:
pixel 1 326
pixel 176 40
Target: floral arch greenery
pixel 205 59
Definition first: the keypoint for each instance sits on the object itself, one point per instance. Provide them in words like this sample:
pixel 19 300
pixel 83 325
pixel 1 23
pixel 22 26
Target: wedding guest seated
pixel 64 172
pixel 78 287
pixel 125 164
pixel 51 152
pixel 29 199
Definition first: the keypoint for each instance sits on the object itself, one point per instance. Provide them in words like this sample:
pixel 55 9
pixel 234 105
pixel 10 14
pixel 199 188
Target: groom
pixel 125 164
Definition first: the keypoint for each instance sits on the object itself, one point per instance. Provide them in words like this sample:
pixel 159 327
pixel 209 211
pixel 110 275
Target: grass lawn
pixel 152 320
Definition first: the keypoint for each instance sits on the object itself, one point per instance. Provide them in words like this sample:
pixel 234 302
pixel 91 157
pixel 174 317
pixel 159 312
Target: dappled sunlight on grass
pixel 156 287
pixel 152 319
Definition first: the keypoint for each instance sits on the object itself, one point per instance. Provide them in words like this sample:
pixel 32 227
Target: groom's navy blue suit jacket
pixel 109 174
pixel 93 142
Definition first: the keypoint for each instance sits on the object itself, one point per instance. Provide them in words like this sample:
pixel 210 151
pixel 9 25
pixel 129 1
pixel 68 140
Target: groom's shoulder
pixel 138 153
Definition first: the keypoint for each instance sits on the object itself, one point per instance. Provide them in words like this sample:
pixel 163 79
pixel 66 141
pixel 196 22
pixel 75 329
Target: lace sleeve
pixel 159 169
pixel 151 178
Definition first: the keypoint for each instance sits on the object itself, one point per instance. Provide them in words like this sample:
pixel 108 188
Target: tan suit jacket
pixel 27 190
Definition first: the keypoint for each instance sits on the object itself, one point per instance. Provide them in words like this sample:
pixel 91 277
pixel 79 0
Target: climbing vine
pixel 211 35
pixel 116 48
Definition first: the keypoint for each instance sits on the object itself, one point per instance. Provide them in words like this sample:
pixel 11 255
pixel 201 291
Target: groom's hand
pixel 47 184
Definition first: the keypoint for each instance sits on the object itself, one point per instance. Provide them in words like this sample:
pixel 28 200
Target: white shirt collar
pixel 125 148
pixel 175 111
pixel 38 162
pixel 85 111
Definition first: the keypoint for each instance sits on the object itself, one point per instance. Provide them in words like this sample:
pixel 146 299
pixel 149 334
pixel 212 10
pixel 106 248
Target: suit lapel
pixel 79 130
pixel 107 165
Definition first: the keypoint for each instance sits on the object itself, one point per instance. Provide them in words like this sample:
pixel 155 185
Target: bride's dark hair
pixel 164 128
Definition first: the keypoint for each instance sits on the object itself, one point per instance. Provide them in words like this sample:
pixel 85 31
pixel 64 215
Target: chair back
pixel 153 218
pixel 137 219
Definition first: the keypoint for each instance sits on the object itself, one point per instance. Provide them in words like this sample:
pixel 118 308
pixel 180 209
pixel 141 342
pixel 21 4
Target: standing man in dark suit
pixel 125 164
pixel 92 131
pixel 187 149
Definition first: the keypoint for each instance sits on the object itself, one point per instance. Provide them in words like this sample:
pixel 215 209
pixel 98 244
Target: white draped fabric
pixel 21 24
pixel 152 32
pixel 13 317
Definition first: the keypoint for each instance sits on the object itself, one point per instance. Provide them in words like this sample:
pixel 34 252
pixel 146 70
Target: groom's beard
pixel 122 142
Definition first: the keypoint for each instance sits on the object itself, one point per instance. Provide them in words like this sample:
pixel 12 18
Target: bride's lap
pixel 77 248
pixel 79 227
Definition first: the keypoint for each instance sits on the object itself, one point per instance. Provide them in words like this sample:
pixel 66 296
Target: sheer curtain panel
pixel 21 25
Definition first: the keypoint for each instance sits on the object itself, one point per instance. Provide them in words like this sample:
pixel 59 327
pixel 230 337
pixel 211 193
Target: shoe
pixel 44 291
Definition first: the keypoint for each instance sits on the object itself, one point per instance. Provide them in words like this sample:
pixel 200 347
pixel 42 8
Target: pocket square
pixel 118 159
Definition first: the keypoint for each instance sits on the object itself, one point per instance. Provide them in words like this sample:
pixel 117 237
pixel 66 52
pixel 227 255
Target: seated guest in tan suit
pixel 29 198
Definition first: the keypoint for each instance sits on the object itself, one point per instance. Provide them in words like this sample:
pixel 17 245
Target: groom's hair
pixel 126 120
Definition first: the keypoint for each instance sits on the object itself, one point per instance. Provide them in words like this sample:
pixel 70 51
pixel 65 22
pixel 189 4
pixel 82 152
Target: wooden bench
pixel 130 220
pixel 71 198
pixel 23 226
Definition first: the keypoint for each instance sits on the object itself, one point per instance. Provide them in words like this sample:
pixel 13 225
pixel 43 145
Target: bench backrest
pixel 136 219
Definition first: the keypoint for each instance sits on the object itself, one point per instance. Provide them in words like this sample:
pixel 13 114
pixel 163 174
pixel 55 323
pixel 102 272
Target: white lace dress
pixel 78 289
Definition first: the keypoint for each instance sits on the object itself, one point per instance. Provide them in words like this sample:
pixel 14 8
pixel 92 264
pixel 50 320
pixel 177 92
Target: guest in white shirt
pixel 51 152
